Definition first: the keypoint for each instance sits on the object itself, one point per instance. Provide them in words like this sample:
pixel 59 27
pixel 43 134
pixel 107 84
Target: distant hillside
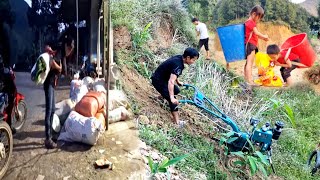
pixel 311 6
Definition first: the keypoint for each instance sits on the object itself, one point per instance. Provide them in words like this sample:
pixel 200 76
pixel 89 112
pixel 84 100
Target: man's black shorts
pixel 249 48
pixel 162 88
pixel 204 42
pixel 286 72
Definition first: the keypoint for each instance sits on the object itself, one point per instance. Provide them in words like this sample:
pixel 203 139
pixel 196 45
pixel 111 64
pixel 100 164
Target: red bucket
pixel 301 47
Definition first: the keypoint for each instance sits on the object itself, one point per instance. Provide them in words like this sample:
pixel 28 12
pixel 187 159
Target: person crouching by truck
pixel 165 78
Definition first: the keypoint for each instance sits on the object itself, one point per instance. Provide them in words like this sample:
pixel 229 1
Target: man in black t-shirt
pixel 166 75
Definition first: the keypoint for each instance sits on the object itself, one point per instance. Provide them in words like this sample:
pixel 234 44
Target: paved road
pixel 31 160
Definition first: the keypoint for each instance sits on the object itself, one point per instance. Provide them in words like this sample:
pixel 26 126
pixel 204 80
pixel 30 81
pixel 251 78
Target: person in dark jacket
pixel 166 75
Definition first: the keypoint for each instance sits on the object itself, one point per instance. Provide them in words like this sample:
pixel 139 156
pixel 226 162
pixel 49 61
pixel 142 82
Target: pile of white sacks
pixel 83 115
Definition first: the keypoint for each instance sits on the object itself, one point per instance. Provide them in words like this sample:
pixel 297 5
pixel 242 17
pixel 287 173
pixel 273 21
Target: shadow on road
pixel 29 163
pixel 29 134
pixel 42 105
pixel 28 146
pixel 73 146
pixel 39 122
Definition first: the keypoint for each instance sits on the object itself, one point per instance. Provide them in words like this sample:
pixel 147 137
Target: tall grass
pixel 227 91
pixel 295 144
pixel 298 107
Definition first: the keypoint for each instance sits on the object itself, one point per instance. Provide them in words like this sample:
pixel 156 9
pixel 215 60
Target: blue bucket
pixel 232 42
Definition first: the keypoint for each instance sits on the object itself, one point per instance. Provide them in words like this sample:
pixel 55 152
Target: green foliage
pixel 253 158
pixel 202 9
pixel 162 167
pixel 294 144
pixel 134 14
pixel 283 108
pixel 140 38
pixel 122 13
pixel 142 68
pixel 6 15
pixel 202 159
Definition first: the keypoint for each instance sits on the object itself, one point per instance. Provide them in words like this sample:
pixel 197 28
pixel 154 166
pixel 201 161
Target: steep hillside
pixel 311 6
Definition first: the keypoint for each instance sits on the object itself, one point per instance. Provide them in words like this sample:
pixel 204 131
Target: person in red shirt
pixel 251 40
pixel 285 59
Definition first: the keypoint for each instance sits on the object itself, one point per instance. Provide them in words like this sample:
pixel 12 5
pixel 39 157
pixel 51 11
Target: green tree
pixel 6 15
pixel 6 21
pixel 291 14
pixel 201 9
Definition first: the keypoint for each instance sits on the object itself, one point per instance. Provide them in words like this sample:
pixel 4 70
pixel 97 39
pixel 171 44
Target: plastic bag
pixel 117 98
pixel 63 109
pixel 91 103
pixel 99 85
pixel 118 114
pixel 77 90
pixel 40 69
pixel 78 128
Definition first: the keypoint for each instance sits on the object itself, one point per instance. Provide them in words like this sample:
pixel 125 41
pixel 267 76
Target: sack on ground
pixel 56 125
pixel 91 103
pixel 99 85
pixel 88 82
pixel 118 114
pixel 100 116
pixel 63 109
pixel 40 69
pixel 117 98
pixel 78 128
pixel 77 90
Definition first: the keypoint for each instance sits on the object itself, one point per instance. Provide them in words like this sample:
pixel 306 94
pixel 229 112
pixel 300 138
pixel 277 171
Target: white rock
pixel 66 178
pixel 155 156
pixel 144 152
pixel 40 177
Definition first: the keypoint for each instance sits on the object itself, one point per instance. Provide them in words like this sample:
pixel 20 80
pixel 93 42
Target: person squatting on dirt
pixel 166 75
pixel 48 86
pixel 202 31
pixel 285 56
pixel 251 40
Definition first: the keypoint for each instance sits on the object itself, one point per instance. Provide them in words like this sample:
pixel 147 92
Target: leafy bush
pixel 136 13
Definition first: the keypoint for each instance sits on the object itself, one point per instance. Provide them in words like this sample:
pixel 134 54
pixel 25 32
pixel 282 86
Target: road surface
pixel 31 160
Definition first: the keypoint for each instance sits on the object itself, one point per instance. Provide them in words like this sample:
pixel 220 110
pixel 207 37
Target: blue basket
pixel 232 42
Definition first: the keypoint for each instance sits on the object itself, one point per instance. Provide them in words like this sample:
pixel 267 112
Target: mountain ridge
pixel 311 6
